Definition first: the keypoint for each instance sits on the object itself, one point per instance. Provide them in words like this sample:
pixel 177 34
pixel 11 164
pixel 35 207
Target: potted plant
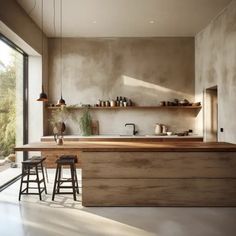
pixel 58 120
pixel 86 123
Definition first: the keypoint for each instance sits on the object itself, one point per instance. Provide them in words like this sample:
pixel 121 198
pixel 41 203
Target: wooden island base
pixel 151 174
pixel 159 179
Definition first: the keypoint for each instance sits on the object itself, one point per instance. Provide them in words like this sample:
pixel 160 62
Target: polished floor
pixel 6 173
pixel 32 217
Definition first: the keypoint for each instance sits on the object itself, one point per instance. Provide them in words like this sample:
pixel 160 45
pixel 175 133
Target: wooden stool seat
pixel 69 157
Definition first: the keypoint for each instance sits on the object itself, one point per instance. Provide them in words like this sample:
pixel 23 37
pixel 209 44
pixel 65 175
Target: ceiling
pixel 124 18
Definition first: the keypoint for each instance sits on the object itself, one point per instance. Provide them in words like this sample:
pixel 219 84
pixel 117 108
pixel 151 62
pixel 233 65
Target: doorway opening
pixel 211 114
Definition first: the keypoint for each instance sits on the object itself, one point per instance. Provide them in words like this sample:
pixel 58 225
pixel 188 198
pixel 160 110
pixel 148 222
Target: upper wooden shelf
pixel 132 107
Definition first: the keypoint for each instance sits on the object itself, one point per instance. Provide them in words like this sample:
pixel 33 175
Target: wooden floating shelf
pixel 131 107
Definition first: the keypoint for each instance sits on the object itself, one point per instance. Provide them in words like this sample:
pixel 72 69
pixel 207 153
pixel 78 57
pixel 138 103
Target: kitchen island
pixel 152 173
pixel 51 156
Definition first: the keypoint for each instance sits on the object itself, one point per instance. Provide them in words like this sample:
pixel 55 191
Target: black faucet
pixel 132 124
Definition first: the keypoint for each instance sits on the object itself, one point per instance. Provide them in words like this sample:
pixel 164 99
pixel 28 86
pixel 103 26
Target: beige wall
pixel 19 22
pixel 147 70
pixel 215 49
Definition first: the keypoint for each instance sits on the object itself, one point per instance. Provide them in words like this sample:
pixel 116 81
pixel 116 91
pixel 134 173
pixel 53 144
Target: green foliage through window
pixel 7 108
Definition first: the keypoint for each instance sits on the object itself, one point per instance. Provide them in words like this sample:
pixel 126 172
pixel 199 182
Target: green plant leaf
pixel 86 123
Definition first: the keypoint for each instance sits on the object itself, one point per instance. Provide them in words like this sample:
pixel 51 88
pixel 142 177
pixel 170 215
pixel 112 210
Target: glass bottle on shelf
pixel 117 101
pixel 124 102
pixel 121 102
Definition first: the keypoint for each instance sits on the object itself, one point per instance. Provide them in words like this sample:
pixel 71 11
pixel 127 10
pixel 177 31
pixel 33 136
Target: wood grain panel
pixel 159 192
pixel 158 165
pixel 130 147
pixel 52 156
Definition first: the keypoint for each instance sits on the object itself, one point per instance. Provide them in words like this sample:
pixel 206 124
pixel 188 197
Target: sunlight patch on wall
pixel 129 81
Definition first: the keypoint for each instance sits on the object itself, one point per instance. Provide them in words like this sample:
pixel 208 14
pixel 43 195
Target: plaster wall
pixel 147 70
pixel 19 22
pixel 215 49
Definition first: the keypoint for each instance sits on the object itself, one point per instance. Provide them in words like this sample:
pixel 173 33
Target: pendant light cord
pixel 43 96
pixel 42 41
pixel 61 46
pixel 54 16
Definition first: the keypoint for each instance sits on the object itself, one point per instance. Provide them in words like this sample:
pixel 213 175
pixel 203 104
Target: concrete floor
pixel 66 217
pixel 7 173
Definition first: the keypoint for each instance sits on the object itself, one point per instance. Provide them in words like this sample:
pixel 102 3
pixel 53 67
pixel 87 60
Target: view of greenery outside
pixel 7 106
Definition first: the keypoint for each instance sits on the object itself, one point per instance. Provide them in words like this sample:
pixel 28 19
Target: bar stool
pixel 33 167
pixel 66 160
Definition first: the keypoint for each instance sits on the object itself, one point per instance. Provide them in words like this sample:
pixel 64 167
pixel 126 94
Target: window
pixel 13 108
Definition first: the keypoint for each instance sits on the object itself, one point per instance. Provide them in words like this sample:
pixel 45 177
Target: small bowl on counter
pixel 169 133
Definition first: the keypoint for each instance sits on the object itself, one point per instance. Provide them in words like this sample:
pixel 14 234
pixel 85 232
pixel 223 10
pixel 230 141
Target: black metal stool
pixel 58 182
pixel 32 167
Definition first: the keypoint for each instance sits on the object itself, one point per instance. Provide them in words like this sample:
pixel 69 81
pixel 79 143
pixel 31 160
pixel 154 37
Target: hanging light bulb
pixel 61 101
pixel 42 96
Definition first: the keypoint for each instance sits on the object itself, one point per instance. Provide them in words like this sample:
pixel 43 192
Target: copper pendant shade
pixel 42 96
pixel 61 102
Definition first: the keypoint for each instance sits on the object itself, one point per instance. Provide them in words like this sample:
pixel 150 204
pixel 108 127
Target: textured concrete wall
pixel 215 49
pixel 147 70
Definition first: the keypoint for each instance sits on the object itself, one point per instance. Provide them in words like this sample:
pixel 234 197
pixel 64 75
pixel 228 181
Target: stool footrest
pixel 66 186
pixel 41 190
pixel 64 192
pixel 64 181
pixel 33 181
pixel 32 173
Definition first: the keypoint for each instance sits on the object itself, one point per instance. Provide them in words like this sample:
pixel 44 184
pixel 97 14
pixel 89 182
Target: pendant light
pixel 42 96
pixel 61 101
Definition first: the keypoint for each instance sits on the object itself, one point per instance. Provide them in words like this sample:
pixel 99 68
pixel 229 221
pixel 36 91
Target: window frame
pixel 25 100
